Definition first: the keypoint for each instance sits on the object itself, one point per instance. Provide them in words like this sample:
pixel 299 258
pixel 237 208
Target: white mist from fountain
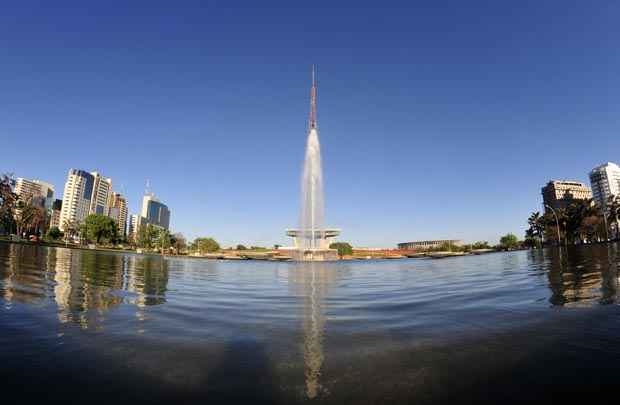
pixel 311 219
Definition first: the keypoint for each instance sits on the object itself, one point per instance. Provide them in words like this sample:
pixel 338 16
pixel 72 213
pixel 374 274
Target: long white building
pixel 605 182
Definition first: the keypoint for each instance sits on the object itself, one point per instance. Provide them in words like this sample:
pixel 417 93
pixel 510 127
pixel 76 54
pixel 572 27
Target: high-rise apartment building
pixel 38 190
pixel 85 193
pixel 132 227
pixel 605 182
pixel 55 216
pixel 155 212
pixel 117 210
pixel 76 199
pixel 102 190
pixel 559 194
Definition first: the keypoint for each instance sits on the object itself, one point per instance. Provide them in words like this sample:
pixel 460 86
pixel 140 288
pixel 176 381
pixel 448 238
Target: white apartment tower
pixel 102 191
pixel 605 182
pixel 76 198
pixel 117 210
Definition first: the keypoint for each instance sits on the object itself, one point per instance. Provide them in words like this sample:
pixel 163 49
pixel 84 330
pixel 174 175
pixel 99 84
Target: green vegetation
pixel 509 241
pixel 179 243
pixel 146 237
pixel 54 233
pixel 580 222
pixel 7 204
pixel 343 248
pixel 241 247
pixel 29 218
pixel 100 227
pixel 481 245
pixel 205 245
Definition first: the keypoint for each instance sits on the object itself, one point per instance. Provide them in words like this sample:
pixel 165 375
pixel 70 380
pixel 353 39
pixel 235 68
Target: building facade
pixel 155 212
pixel 102 191
pixel 55 215
pixel 605 182
pixel 38 190
pixel 132 227
pixel 559 194
pixel 76 200
pixel 428 244
pixel 117 210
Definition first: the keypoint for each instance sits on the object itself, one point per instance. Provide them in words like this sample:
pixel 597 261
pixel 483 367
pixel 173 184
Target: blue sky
pixel 438 119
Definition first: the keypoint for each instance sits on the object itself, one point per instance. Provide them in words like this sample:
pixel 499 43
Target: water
pixel 504 327
pixel 312 204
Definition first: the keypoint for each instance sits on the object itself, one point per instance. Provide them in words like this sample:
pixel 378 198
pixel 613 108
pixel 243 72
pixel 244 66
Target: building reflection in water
pixel 84 284
pixel 21 278
pixel 581 276
pixel 311 281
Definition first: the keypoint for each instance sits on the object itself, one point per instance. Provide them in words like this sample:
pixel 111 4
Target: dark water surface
pixel 121 328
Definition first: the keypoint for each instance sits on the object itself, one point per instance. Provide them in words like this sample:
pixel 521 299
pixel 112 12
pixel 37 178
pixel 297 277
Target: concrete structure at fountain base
pixel 309 246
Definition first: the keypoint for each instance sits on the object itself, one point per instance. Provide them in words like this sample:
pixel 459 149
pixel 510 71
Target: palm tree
pixel 537 225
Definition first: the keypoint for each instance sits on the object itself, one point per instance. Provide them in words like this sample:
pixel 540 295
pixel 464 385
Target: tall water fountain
pixel 312 239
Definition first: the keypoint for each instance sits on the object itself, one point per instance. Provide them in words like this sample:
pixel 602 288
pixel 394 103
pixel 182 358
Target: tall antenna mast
pixel 312 122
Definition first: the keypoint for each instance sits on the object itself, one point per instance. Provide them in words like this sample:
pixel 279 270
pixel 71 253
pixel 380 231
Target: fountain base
pixel 314 255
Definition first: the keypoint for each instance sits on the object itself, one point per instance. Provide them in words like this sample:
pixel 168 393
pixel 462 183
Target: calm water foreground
pixel 120 328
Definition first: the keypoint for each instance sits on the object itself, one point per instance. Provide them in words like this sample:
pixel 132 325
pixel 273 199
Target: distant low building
pixel 559 194
pixel 428 244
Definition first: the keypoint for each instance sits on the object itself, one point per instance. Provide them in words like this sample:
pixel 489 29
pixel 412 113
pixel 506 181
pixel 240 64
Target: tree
pixel 179 242
pixel 100 227
pixel 29 218
pixel 7 204
pixel 509 241
pixel 613 206
pixel 537 226
pixel 241 247
pixel 54 233
pixel 71 229
pixel 343 248
pixel 163 239
pixel 481 245
pixel 146 236
pixel 205 245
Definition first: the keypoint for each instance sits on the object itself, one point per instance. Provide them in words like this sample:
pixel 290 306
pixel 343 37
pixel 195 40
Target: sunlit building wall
pixel 605 182
pixel 76 200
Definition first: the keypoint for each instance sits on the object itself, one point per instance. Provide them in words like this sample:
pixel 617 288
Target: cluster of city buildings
pixel 87 193
pixel 604 183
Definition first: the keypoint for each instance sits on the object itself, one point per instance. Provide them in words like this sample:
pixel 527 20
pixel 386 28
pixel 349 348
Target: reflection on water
pixel 581 277
pixel 83 284
pixel 316 331
pixel 314 278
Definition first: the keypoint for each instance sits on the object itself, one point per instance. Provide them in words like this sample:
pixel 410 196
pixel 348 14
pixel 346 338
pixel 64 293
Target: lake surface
pixel 80 325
